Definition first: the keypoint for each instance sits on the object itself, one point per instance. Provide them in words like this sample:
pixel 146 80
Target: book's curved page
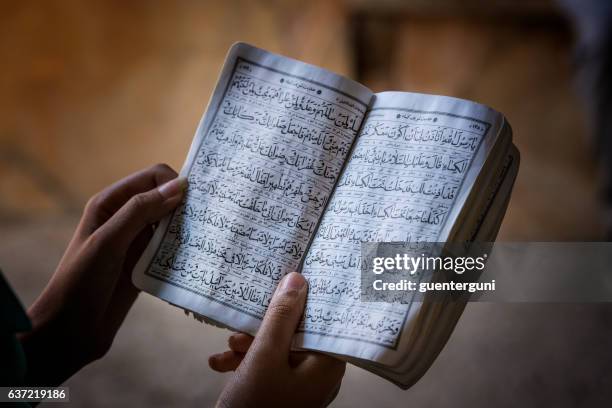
pixel 419 359
pixel 262 166
pixel 407 179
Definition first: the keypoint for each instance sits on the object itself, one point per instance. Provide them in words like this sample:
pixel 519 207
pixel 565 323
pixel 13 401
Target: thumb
pixel 140 211
pixel 273 340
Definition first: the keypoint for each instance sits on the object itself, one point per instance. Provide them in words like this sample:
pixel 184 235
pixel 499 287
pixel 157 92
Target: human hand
pixel 267 373
pixel 76 317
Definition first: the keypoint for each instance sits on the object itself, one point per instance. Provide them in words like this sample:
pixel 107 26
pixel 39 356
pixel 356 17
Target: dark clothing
pixel 13 320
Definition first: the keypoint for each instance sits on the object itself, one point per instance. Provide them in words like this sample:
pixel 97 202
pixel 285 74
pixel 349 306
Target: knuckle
pixel 162 168
pixel 94 203
pixel 281 309
pixel 141 206
pixel 138 202
pixel 97 243
pixel 103 244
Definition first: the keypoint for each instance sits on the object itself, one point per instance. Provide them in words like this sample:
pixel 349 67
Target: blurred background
pixel 92 91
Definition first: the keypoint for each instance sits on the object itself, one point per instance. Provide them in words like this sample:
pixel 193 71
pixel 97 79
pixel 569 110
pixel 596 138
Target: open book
pixel 291 168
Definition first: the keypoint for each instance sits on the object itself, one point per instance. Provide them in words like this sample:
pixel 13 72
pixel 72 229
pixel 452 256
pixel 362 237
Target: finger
pixel 125 293
pixel 140 211
pixel 321 366
pixel 297 357
pixel 104 204
pixel 240 342
pixel 273 339
pixel 224 362
pixel 327 370
pixel 333 394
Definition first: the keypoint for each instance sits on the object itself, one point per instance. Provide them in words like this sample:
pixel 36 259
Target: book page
pixel 407 178
pixel 261 169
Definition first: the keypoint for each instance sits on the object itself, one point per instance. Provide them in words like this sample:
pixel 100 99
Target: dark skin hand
pixel 76 317
pixel 267 372
pixel 78 314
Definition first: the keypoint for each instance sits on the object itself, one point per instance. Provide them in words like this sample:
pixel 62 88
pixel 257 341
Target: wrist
pixel 57 346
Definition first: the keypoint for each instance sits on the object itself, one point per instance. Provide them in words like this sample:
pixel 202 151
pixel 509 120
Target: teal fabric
pixel 13 320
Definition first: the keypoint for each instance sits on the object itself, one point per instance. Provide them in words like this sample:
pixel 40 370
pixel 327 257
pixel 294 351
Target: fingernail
pixel 173 187
pixel 293 282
